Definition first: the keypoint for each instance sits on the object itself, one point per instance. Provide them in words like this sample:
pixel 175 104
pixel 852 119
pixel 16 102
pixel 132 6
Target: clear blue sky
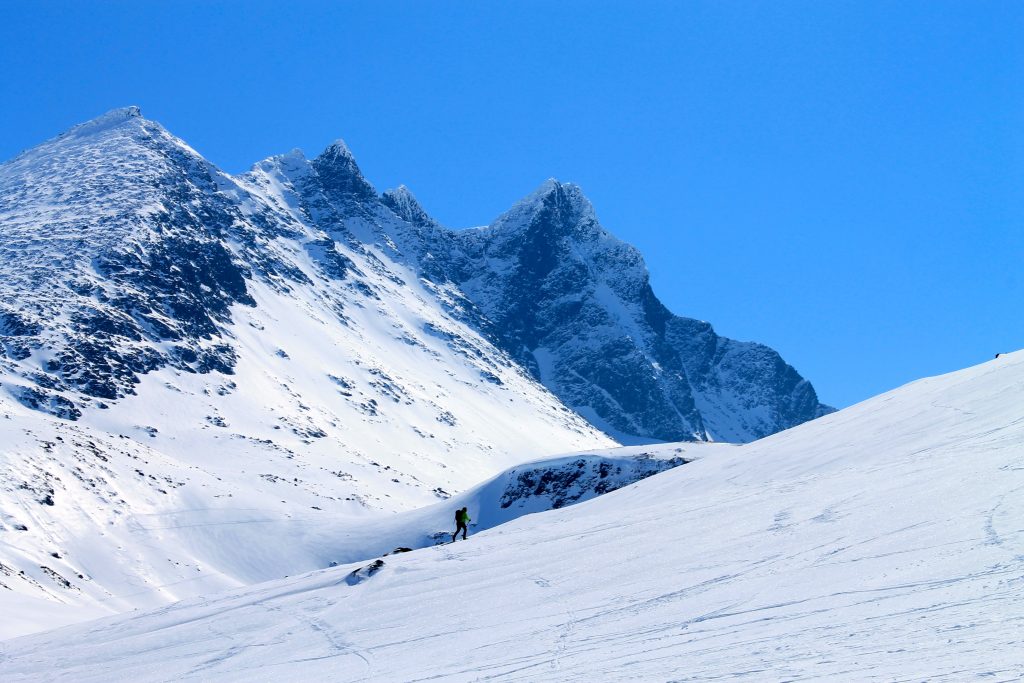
pixel 843 181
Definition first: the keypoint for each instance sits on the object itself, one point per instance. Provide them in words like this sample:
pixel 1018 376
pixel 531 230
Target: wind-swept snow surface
pixel 883 542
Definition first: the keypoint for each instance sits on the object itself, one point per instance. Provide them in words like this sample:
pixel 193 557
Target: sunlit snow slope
pixel 883 542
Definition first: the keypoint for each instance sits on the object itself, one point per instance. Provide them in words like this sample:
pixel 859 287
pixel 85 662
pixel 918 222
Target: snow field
pixel 881 543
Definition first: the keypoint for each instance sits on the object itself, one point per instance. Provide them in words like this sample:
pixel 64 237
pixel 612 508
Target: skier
pixel 461 523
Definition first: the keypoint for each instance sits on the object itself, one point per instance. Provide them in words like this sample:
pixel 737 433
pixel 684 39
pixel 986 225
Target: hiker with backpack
pixel 461 523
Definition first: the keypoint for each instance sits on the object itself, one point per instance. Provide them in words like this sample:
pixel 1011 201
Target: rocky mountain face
pixel 574 305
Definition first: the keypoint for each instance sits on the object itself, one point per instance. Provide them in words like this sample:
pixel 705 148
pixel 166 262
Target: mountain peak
pixel 402 201
pixel 338 150
pixel 545 189
pixel 555 206
pixel 550 185
pixel 289 160
pixel 340 175
pixel 553 189
pixel 111 119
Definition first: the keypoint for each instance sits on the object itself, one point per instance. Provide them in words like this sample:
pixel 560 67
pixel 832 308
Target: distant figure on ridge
pixel 461 523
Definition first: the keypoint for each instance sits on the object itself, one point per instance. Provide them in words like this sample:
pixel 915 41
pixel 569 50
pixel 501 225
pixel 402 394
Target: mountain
pixel 205 377
pixel 133 269
pixel 174 244
pixel 882 542
pixel 183 353
pixel 574 305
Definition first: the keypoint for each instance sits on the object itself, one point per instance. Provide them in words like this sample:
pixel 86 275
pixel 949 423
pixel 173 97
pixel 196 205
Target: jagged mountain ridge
pixel 545 282
pixel 573 305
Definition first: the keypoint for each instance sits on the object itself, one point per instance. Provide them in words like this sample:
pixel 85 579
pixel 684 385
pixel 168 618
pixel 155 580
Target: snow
pixel 217 468
pixel 338 148
pixel 113 118
pixel 884 542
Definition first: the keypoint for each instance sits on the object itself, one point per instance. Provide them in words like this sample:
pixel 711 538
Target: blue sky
pixel 839 180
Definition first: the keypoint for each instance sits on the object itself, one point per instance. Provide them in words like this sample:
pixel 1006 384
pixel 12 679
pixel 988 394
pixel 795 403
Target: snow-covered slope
pixel 547 484
pixel 883 542
pixel 95 524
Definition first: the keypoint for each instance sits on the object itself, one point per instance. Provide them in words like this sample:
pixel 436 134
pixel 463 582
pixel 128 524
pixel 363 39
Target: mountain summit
pixel 340 175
